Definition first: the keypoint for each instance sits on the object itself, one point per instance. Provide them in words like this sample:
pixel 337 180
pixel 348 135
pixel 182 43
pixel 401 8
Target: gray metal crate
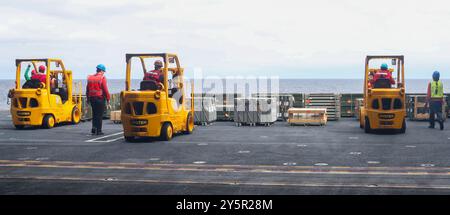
pixel 204 110
pixel 225 106
pixel 284 102
pixel 255 111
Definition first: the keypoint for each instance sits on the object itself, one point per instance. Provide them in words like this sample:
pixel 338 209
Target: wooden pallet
pixel 307 116
pixel 115 117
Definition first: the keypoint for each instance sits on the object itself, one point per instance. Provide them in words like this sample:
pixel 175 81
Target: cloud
pixel 295 39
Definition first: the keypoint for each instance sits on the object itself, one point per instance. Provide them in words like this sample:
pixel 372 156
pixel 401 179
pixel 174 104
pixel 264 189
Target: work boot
pixel 100 133
pixel 441 125
pixel 93 130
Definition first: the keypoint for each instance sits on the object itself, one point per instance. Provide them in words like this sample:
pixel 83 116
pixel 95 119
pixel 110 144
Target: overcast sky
pixel 291 39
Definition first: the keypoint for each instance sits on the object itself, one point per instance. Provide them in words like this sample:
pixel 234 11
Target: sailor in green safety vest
pixel 435 98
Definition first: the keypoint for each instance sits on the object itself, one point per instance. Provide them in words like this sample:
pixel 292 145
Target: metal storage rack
pixel 299 100
pixel 348 104
pixel 325 100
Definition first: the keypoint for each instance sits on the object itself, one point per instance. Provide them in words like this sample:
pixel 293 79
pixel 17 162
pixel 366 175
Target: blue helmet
pixel 101 67
pixel 436 75
pixel 384 66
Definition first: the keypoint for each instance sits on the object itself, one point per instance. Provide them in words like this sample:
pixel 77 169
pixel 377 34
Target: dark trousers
pixel 435 109
pixel 98 106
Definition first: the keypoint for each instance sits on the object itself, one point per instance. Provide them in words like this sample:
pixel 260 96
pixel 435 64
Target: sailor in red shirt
pixel 96 93
pixel 383 73
pixel 154 74
pixel 40 76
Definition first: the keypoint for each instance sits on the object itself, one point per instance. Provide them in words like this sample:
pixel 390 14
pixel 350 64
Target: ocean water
pixel 285 86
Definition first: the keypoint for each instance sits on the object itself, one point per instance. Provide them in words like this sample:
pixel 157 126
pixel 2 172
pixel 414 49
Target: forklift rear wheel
pixel 48 122
pixel 189 124
pixel 367 125
pixel 166 132
pixel 76 116
pixel 19 127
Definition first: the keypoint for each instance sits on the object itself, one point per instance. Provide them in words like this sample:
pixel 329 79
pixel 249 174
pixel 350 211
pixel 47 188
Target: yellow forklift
pixel 384 102
pixel 157 108
pixel 46 104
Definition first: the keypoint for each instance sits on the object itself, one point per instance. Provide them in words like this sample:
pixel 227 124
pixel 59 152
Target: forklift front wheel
pixel 189 124
pixel 76 116
pixel 166 132
pixel 19 127
pixel 48 121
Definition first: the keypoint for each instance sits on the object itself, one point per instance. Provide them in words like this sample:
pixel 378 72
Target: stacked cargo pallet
pixel 115 116
pixel 447 108
pixel 255 111
pixel 307 116
pixel 325 100
pixel 410 104
pixel 348 104
pixel 86 112
pixel 416 108
pixel 115 105
pixel 284 102
pixel 359 102
pixel 204 110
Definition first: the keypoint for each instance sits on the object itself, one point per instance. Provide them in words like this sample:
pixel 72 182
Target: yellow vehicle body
pixel 156 112
pixel 45 106
pixel 384 108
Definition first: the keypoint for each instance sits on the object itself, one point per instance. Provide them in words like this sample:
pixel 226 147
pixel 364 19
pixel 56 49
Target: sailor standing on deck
pixel 435 99
pixel 96 93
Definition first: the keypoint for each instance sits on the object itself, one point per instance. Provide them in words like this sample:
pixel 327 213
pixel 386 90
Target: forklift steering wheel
pixel 41 85
pixel 161 86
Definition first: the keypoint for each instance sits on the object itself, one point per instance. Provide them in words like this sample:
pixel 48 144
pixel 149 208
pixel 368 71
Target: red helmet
pixel 42 68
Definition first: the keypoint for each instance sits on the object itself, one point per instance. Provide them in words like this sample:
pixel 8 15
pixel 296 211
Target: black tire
pixel 165 135
pixel 47 121
pixel 403 129
pixel 129 139
pixel 19 127
pixel 74 120
pixel 188 130
pixel 367 128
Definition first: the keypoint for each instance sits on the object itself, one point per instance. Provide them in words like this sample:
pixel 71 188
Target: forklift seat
pixel 382 83
pixel 148 85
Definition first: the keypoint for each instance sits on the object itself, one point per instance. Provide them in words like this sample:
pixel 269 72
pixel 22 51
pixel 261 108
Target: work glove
pixel 108 105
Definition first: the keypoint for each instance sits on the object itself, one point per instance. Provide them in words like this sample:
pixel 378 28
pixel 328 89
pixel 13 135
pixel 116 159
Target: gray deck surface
pixel 224 159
